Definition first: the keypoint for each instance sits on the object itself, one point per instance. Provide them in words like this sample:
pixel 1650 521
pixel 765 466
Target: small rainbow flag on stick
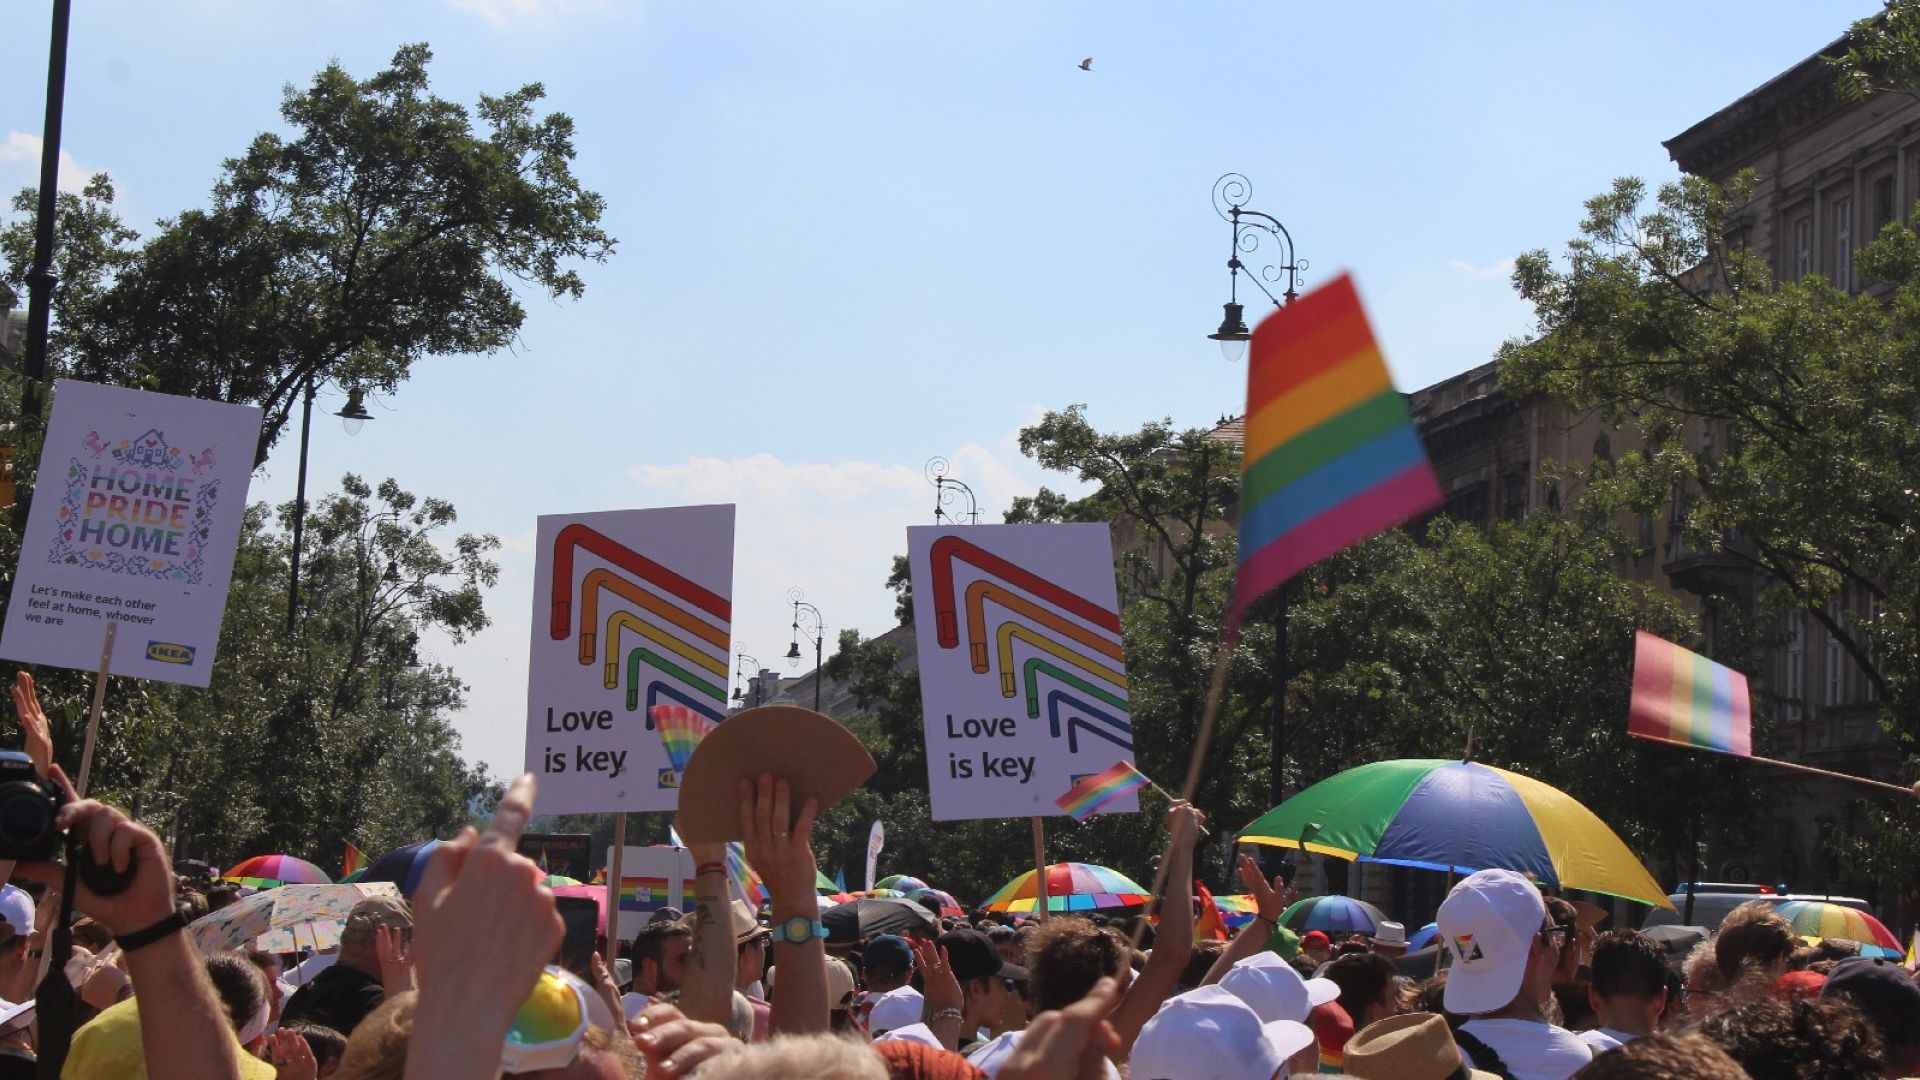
pixel 1684 698
pixel 1084 799
pixel 352 860
pixel 681 729
pixel 1330 456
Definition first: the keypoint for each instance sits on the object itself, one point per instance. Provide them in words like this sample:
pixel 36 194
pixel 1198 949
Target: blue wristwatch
pixel 798 931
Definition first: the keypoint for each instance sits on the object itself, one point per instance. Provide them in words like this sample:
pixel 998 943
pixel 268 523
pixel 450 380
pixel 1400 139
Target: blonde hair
pixel 825 1057
pixel 378 1048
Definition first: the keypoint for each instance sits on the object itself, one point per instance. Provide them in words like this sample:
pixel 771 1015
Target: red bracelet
pixel 705 867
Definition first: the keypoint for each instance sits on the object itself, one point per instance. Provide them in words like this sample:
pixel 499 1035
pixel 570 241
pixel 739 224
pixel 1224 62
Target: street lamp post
pixel 353 416
pixel 945 489
pixel 746 668
pixel 1230 195
pixel 817 635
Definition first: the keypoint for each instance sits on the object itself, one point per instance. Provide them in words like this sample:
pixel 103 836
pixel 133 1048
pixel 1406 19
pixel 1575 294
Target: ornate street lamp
pixel 813 627
pixel 353 416
pixel 746 669
pixel 945 487
pixel 1230 195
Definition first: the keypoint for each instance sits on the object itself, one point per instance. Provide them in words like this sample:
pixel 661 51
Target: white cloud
pixel 1500 268
pixel 520 12
pixel 20 154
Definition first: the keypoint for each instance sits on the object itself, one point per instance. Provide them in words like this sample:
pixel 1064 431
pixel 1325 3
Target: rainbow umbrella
pixel 901 882
pixel 1819 919
pixel 948 905
pixel 560 881
pixel 402 866
pixel 1332 915
pixel 1071 886
pixel 882 894
pixel 1459 816
pixel 823 883
pixel 267 871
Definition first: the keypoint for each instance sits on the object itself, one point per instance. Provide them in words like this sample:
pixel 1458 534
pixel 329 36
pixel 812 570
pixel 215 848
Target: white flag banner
pixel 876 839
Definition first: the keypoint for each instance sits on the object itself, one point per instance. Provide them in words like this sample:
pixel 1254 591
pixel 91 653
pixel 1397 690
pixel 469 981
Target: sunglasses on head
pixel 548 1029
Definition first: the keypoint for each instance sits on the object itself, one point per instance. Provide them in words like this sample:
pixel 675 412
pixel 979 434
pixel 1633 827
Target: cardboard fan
pixel 807 749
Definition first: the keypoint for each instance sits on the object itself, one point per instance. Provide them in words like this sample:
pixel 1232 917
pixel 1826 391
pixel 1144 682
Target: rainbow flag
pixel 681 729
pixel 746 883
pixel 1684 698
pixel 1330 457
pixel 1913 950
pixel 643 893
pixel 1211 925
pixel 352 861
pixel 1084 799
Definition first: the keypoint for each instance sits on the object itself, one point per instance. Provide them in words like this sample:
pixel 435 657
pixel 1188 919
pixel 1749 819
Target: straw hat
pixel 1411 1046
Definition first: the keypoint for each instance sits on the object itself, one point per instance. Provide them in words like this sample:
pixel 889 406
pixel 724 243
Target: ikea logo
pixel 166 652
pixel 669 778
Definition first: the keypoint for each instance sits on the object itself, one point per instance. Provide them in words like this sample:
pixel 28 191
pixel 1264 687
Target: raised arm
pixel 706 992
pixel 1269 901
pixel 1173 940
pixel 780 849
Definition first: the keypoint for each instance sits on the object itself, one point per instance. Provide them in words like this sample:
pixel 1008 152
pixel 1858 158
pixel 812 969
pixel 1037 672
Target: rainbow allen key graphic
pixel 636 614
pixel 1023 669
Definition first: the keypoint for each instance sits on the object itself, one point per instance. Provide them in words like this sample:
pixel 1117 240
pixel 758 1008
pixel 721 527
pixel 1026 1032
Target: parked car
pixel 1713 900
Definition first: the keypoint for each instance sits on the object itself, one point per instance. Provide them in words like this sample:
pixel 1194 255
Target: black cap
pixel 1882 989
pixel 972 955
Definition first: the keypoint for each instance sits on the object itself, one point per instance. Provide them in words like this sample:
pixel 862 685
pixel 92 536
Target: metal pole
pixel 299 510
pixel 1279 733
pixel 41 278
pixel 819 673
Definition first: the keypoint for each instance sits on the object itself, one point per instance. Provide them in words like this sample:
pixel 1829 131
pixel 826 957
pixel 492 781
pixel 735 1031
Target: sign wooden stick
pixel 613 883
pixel 93 714
pixel 1039 868
pixel 1829 774
pixel 1201 738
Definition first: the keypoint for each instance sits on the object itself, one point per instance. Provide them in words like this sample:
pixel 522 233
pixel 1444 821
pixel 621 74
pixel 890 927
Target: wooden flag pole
pixel 613 884
pixel 93 714
pixel 1165 794
pixel 1040 867
pixel 1831 775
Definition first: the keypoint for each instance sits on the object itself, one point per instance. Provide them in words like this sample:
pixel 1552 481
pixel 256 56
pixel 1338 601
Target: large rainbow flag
pixel 1684 698
pixel 1330 457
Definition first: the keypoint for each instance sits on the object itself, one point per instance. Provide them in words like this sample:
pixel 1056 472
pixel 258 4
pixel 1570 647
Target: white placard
pixel 1022 675
pixel 631 608
pixel 659 876
pixel 136 515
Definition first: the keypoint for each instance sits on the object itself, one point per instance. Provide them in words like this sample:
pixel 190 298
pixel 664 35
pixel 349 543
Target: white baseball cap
pixel 16 907
pixel 1271 987
pixel 894 1009
pixel 1488 924
pixel 1209 1034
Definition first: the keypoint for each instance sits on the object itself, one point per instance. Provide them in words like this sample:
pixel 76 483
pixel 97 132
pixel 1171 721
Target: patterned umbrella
pixel 402 866
pixel 1819 919
pixel 285 919
pixel 948 905
pixel 1071 886
pixel 1441 814
pixel 268 871
pixel 1333 915
pixel 901 882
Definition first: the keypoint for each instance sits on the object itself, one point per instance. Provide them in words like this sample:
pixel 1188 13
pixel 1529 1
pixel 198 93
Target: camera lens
pixel 25 818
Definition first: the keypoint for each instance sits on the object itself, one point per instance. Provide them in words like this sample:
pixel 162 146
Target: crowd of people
pixel 461 980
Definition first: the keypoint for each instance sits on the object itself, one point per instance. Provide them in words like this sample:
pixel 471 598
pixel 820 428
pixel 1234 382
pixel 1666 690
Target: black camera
pixel 27 808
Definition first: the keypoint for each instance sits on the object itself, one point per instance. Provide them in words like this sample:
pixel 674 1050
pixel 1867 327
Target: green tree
pixel 381 229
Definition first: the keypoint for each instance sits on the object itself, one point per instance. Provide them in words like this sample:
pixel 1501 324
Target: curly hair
pixel 1065 957
pixel 1805 1039
pixel 1664 1056
pixel 1753 934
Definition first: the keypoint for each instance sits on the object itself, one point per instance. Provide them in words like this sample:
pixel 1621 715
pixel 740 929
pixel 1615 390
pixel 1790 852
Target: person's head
pixel 244 992
pixel 659 956
pixel 220 896
pixel 1007 941
pixel 193 903
pixel 378 1049
pixel 1561 912
pixel 796 1055
pixel 368 916
pixel 328 1046
pixel 1367 988
pixel 1209 1033
pixel 1704 989
pixel 1389 940
pixel 1665 1056
pixel 1754 935
pixel 982 975
pixel 1504 948
pixel 1067 956
pixel 1629 986
pixel 1808 1039
pixel 1889 999
pixel 888 963
pixel 1316 944
pixel 1200 961
pixel 1411 1046
pixel 840 995
pixel 16 925
pixel 1274 990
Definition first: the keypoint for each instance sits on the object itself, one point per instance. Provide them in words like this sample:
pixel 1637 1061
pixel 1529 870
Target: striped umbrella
pixel 1441 814
pixel 1332 915
pixel 1071 886
pixel 267 871
pixel 901 882
pixel 1819 919
pixel 948 905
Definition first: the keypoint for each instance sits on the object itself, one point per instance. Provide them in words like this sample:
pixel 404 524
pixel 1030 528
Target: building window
pixel 1796 680
pixel 1803 245
pixel 1843 243
pixel 1835 668
pixel 1882 203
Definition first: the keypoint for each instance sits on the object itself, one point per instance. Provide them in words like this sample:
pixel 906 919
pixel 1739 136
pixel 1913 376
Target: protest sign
pixel 652 878
pixel 1022 675
pixel 565 854
pixel 631 609
pixel 136 514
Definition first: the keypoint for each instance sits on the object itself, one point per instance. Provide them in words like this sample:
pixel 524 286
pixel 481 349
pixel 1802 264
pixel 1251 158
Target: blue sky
pixel 854 235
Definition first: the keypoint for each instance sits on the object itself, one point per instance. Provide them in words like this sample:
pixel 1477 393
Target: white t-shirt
pixel 991 1057
pixel 1530 1049
pixel 1605 1039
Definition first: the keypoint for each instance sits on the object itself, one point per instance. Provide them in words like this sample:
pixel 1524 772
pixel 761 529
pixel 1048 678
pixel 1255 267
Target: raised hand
pixel 779 844
pixel 674 1045
pixel 291 1057
pixel 1269 900
pixel 1184 822
pixel 395 953
pixel 941 991
pixel 33 723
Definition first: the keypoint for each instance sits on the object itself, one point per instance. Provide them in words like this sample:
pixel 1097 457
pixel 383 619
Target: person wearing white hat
pixel 1389 940
pixel 1209 1034
pixel 1495 929
pixel 1272 988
